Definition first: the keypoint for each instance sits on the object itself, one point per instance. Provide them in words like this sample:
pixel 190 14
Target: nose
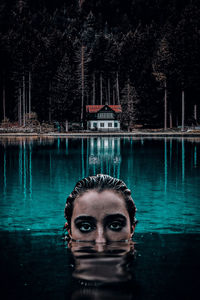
pixel 100 235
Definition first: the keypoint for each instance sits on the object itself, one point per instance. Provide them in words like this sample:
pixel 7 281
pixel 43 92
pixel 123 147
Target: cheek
pixel 74 232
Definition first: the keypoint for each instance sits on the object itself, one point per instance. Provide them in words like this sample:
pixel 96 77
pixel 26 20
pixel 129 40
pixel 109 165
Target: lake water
pixel 36 176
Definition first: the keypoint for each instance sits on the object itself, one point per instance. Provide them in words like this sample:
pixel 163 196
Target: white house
pixel 103 117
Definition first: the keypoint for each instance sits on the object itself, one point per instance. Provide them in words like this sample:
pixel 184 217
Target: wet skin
pixel 100 218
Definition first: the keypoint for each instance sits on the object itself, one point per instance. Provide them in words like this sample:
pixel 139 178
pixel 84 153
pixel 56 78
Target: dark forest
pixel 57 57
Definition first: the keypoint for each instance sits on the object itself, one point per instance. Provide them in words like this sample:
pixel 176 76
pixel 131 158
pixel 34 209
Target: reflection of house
pixel 104 156
pixel 103 117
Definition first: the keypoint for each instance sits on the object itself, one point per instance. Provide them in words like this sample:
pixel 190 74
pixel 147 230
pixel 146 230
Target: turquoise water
pixel 36 176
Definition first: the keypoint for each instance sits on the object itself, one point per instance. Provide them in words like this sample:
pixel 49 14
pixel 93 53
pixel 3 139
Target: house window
pixel 95 125
pixel 108 115
pixel 116 124
pixel 109 124
pixel 101 124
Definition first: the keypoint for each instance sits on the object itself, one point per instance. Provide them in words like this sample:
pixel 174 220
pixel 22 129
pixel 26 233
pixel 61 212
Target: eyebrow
pixel 107 218
pixel 85 218
pixel 110 218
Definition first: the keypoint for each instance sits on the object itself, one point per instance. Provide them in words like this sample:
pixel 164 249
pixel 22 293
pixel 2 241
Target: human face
pixel 100 217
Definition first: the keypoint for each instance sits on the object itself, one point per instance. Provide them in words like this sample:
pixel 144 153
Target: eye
pixel 85 227
pixel 115 226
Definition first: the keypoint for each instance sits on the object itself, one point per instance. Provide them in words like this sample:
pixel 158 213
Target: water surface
pixel 36 176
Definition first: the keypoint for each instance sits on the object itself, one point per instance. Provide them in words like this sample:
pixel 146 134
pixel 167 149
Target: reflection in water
pixel 82 159
pixel 183 159
pixel 25 163
pixel 165 266
pixel 58 143
pixel 4 170
pixel 195 156
pixel 25 168
pixel 165 164
pixel 104 156
pixel 102 263
pixel 170 151
pixel 102 270
pixel 20 163
pixel 30 170
pixel 66 145
pixel 105 293
pixel 162 173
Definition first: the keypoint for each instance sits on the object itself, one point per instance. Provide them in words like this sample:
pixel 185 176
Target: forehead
pixel 99 203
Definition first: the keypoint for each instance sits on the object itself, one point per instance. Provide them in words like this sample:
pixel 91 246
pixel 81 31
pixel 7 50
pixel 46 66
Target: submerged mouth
pixel 102 263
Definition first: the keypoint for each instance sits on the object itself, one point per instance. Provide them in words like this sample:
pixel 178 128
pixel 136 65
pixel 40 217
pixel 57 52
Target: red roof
pixel 96 108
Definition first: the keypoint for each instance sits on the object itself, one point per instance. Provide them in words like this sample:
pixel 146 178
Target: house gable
pixel 106 109
pixel 96 108
pixel 106 113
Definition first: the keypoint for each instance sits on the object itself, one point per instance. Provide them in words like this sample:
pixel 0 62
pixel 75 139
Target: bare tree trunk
pixel 113 96
pixel 80 3
pixel 66 126
pixel 177 121
pixel 50 100
pixel 170 120
pixel 106 96
pixel 128 96
pixel 93 85
pixel 128 106
pixel 183 110
pixel 29 93
pixel 195 112
pixel 108 91
pixel 82 81
pixel 4 100
pixel 165 107
pixel 117 87
pixel 20 108
pixel 20 6
pixel 26 99
pixel 24 102
pixel 101 92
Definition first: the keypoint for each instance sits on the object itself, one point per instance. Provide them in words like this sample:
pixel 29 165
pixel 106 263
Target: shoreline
pixel 108 134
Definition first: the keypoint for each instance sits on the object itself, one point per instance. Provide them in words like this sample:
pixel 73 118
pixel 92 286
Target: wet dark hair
pixel 100 183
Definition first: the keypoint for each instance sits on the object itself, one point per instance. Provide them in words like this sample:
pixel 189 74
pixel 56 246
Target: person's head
pixel 100 209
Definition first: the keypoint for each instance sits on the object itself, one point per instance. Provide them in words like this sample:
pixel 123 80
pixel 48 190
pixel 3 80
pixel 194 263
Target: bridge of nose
pixel 100 236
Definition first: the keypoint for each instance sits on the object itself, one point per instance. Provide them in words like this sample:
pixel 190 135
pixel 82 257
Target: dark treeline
pixel 55 58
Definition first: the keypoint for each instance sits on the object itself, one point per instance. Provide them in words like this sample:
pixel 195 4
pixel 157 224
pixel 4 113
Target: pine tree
pixel 60 92
pixel 129 102
pixel 163 64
